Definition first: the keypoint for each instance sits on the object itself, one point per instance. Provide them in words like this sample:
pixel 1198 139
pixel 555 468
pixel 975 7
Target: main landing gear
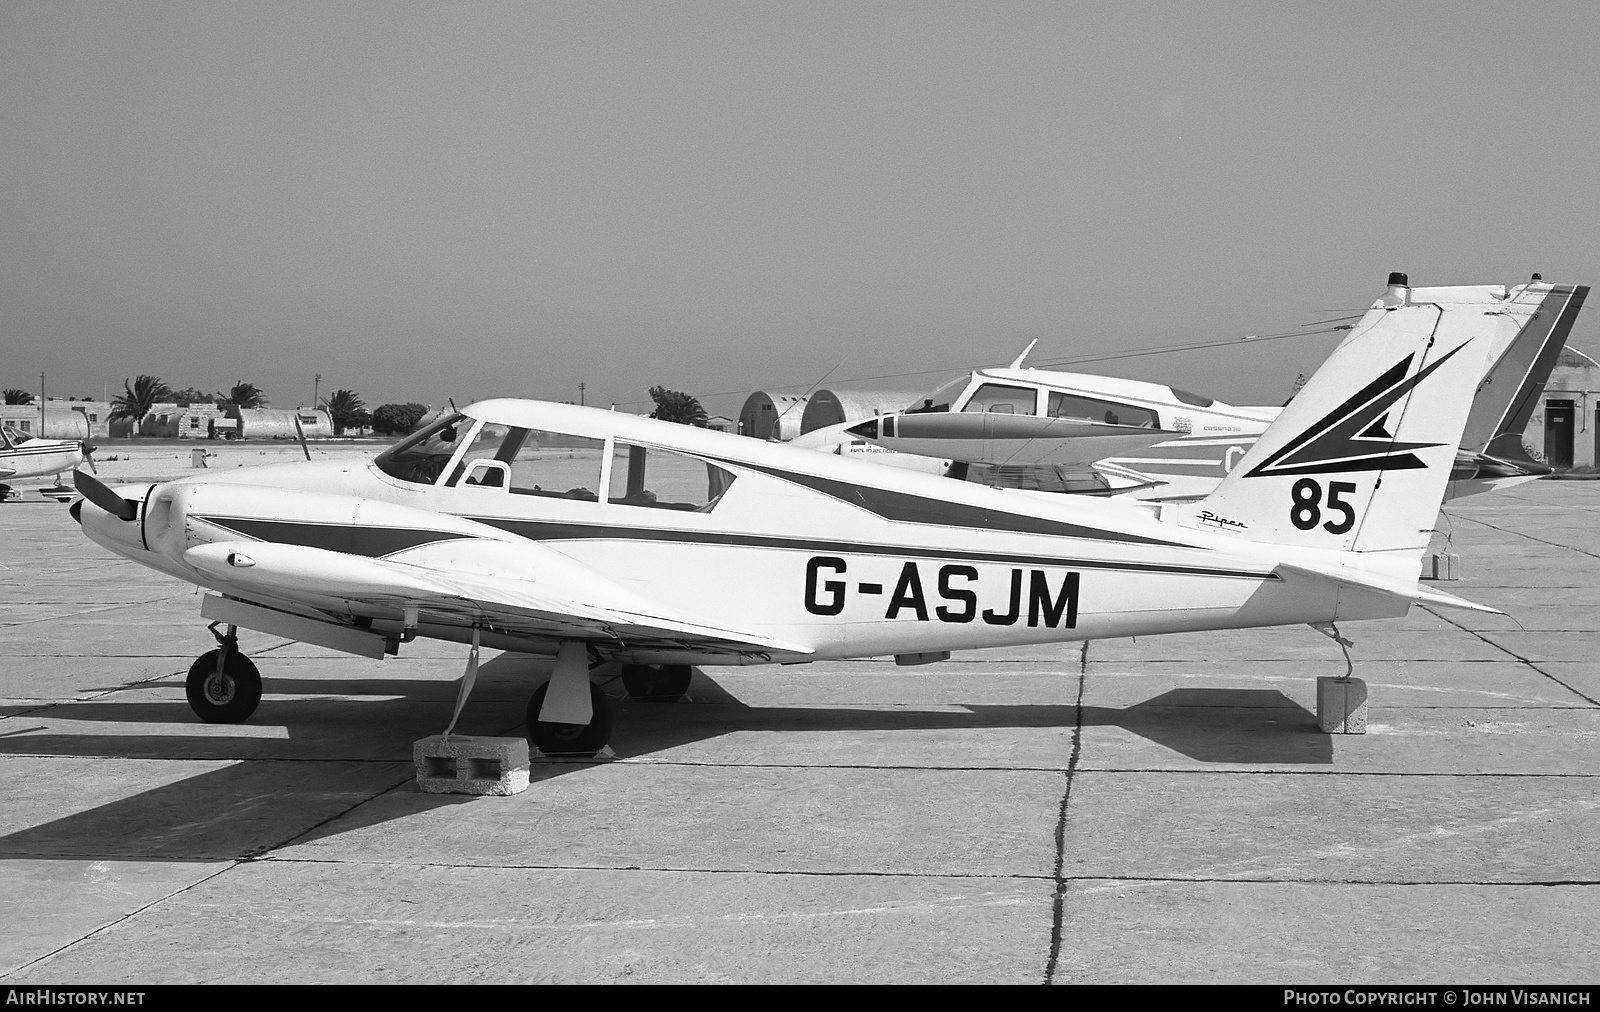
pixel 645 682
pixel 577 740
pixel 223 686
pixel 656 683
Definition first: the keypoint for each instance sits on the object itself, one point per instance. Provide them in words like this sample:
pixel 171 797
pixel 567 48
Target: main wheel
pixel 228 697
pixel 656 683
pixel 570 739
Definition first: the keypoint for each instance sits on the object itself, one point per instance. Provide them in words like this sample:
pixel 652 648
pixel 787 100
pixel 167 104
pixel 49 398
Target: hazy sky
pixel 422 200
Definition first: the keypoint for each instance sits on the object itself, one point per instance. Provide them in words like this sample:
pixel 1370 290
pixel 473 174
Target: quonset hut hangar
pixel 782 417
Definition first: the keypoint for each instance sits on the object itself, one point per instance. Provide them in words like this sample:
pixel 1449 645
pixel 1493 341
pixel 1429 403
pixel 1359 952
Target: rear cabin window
pixel 663 479
pixel 1110 412
pixel 1004 400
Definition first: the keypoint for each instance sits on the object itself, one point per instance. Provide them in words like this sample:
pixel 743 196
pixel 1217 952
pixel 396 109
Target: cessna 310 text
pixel 595 536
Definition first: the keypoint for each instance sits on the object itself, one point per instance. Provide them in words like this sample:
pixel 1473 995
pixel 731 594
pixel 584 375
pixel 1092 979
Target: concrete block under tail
pixel 1342 705
pixel 471 765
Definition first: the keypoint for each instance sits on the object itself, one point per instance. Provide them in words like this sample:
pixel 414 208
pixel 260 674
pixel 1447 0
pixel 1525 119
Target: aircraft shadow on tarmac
pixel 343 752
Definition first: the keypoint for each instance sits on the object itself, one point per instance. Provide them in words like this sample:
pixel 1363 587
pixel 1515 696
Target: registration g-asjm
pixel 952 595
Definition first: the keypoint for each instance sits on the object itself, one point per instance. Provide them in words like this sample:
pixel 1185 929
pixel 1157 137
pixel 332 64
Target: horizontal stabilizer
pixel 1386 585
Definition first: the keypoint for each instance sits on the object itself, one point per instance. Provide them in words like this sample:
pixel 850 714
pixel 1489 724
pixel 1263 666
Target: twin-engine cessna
pixel 597 537
pixel 1100 435
pixel 25 456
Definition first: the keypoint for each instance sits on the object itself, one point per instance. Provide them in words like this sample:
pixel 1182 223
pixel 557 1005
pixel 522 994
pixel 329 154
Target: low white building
pixel 1565 426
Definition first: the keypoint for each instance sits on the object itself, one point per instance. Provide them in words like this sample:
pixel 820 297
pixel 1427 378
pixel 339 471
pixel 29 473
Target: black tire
pixel 226 699
pixel 657 683
pixel 570 739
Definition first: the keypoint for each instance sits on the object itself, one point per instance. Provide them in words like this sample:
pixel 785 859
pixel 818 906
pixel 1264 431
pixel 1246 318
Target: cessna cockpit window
pixel 1004 400
pixel 941 398
pixel 421 456
pixel 662 479
pixel 1110 412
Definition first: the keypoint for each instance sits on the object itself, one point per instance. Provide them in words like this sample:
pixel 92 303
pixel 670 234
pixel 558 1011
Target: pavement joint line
pixel 673 869
pixel 261 853
pixel 1058 897
pixel 1513 654
pixel 228 866
pixel 1530 537
pixel 1064 880
pixel 85 611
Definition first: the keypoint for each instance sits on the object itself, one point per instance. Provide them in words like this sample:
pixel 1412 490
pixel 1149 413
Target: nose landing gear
pixel 224 686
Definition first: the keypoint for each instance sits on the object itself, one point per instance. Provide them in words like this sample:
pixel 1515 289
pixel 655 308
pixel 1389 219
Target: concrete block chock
pixel 461 764
pixel 1444 566
pixel 1342 705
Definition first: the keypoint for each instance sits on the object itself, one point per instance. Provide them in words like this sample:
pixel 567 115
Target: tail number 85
pixel 1306 512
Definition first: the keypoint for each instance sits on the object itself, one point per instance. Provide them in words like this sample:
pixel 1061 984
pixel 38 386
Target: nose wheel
pixel 224 686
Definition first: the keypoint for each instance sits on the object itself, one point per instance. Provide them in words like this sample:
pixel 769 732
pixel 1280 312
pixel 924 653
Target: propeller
pixel 88 455
pixel 93 490
pixel 298 431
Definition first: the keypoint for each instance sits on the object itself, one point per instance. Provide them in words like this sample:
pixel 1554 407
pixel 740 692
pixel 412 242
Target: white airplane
pixel 594 536
pixel 24 456
pixel 1074 432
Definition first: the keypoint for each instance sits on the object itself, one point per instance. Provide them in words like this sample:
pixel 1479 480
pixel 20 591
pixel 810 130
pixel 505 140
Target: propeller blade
pixel 97 493
pixel 302 434
pixel 88 456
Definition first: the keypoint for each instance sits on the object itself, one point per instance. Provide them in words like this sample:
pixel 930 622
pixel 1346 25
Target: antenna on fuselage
pixel 1016 363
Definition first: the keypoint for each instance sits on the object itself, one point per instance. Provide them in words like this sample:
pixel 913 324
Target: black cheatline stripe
pixel 351 539
pixel 539 530
pixel 907 508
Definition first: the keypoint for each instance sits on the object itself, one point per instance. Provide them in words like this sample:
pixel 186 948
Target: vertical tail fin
pixel 1543 315
pixel 1358 461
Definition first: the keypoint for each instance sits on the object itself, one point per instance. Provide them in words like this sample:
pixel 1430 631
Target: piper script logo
pixel 1356 436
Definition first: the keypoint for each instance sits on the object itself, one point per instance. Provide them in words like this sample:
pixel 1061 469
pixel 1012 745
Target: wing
pixel 524 590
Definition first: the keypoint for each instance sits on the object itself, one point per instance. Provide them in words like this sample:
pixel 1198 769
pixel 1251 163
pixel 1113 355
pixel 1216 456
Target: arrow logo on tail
pixel 1356 436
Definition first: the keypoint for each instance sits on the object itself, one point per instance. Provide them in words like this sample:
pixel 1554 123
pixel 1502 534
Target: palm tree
pixel 143 394
pixel 16 396
pixel 343 406
pixel 673 406
pixel 246 395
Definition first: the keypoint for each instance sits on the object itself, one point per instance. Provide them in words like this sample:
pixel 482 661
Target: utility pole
pixel 316 384
pixel 41 405
pixel 580 395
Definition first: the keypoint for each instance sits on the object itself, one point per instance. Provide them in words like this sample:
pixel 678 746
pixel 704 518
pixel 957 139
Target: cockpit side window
pixel 1004 400
pixel 554 464
pixel 520 461
pixel 1064 405
pixel 421 456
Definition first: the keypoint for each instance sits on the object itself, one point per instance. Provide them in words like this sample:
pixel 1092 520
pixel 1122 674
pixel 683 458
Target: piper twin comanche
pixel 1101 435
pixel 24 456
pixel 599 537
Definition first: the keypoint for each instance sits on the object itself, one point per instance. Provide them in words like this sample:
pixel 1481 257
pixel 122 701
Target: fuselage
pixel 839 557
pixel 22 456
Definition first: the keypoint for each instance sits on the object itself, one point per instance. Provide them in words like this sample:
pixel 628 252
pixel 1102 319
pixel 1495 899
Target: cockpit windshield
pixel 941 397
pixel 421 456
pixel 11 437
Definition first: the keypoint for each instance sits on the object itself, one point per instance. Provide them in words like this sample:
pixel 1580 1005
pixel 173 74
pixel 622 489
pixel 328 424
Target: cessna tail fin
pixel 1358 461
